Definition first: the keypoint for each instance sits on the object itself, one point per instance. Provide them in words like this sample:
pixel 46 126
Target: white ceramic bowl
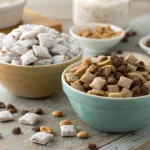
pixel 11 14
pixel 142 44
pixel 96 46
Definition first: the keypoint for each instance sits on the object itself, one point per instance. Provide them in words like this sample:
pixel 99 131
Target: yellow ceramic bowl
pixel 33 81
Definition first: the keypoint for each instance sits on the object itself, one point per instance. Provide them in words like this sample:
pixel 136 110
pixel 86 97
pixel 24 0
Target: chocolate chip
pixel 36 129
pixel 148 43
pixel 92 146
pixel 122 69
pixel 137 95
pixel 140 66
pixel 107 54
pixel 97 73
pixel 136 82
pixel 16 130
pixel 116 62
pixel 136 90
pixel 144 90
pixel 38 111
pixel 2 105
pixel 118 75
pixel 107 72
pixel 23 112
pixel 125 39
pixel 111 80
pixel 11 108
pixel 119 52
pixel 134 33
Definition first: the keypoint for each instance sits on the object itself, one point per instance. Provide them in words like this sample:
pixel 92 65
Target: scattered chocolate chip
pixel 125 39
pixel 148 43
pixel 111 80
pixel 2 105
pixel 136 90
pixel 118 75
pixel 119 52
pixel 11 108
pixel 134 33
pixel 16 130
pixel 92 146
pixel 23 112
pixel 136 82
pixel 38 111
pixel 122 69
pixel 36 129
pixel 144 90
pixel 107 72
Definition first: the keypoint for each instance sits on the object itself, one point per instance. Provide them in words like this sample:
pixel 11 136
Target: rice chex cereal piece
pixel 59 59
pixel 30 119
pixel 41 138
pixel 28 35
pixel 125 82
pixel 41 51
pixel 71 77
pixel 113 88
pixel 59 49
pixel 42 62
pixel 6 116
pixel 68 130
pixel 126 93
pixel 28 58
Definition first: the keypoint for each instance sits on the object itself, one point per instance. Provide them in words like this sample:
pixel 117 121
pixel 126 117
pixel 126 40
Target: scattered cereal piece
pixel 6 116
pixel 82 134
pixel 68 130
pixel 30 119
pixel 126 93
pixel 41 138
pixel 125 82
pixel 57 113
pixel 16 130
pixel 65 122
pixel 46 129
pixel 2 105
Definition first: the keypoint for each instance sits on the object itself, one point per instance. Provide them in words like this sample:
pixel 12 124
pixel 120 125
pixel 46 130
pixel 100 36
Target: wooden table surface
pixel 104 141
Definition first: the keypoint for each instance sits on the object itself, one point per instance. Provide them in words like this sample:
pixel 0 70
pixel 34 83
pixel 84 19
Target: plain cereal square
pixel 126 93
pixel 87 78
pixel 113 88
pixel 125 82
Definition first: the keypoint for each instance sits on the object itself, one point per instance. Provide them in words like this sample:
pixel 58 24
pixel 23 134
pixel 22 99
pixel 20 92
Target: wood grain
pixel 31 17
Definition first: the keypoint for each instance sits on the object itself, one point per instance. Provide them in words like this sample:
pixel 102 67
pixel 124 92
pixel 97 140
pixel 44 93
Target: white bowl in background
pixel 96 46
pixel 11 14
pixel 142 44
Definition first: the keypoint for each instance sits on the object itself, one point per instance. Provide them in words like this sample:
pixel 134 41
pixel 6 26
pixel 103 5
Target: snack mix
pixel 37 45
pixel 100 32
pixel 111 76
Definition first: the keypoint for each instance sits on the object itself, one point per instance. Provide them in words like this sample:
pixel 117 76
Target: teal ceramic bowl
pixel 108 114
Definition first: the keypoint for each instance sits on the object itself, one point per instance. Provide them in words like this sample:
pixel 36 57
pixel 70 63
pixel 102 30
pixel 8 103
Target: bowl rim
pixel 13 6
pixel 142 45
pixel 95 96
pixel 96 24
pixel 43 66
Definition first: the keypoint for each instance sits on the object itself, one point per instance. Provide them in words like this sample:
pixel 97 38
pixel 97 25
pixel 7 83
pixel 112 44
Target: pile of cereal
pixel 99 32
pixel 37 45
pixel 112 76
